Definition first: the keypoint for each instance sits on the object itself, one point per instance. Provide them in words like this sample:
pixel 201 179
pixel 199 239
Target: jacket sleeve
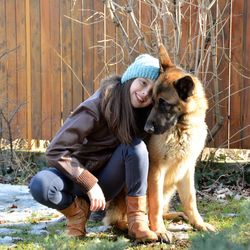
pixel 67 140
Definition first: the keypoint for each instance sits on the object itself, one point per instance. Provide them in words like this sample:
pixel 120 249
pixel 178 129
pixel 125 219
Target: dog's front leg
pixel 187 193
pixel 156 204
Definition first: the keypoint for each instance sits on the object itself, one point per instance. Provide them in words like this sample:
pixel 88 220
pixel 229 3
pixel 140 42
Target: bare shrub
pixel 194 31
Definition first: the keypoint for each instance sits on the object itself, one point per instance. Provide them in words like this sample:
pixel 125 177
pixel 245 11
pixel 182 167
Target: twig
pixel 72 72
pixel 7 51
pixel 8 123
pixel 239 131
pixel 115 18
pixel 137 30
pixel 223 99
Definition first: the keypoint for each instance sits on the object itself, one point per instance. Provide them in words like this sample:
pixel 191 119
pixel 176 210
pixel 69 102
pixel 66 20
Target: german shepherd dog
pixel 178 128
pixel 177 122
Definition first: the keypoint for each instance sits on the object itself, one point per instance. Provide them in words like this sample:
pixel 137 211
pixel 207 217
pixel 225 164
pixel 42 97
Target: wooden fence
pixel 53 54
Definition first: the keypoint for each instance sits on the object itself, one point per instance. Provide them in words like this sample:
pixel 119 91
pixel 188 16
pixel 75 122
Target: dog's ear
pixel 184 87
pixel 164 58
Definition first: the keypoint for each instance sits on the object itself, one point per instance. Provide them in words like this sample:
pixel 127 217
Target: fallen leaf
pixel 13 206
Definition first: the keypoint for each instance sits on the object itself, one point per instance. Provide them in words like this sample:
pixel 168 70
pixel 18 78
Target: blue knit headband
pixel 144 66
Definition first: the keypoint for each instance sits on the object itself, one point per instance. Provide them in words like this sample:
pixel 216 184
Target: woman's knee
pixel 39 185
pixel 138 147
pixel 42 183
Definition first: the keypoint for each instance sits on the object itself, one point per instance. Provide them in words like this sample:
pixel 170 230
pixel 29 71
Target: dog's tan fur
pixel 174 146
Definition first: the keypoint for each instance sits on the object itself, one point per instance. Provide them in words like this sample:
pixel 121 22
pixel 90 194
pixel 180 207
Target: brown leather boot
pixel 76 215
pixel 138 220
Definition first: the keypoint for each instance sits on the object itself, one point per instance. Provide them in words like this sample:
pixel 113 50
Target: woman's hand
pixel 96 197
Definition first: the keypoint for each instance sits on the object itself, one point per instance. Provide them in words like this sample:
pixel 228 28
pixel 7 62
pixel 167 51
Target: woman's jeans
pixel 128 167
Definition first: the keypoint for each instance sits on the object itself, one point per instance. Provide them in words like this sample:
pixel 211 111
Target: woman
pixel 100 150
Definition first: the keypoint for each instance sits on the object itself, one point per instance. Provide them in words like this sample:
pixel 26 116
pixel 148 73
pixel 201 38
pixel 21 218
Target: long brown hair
pixel 117 108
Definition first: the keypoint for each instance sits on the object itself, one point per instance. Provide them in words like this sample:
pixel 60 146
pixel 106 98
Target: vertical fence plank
pixel 210 78
pixel 245 112
pixel 221 139
pixel 99 71
pixel 133 36
pixel 185 36
pixel 121 48
pixel 65 12
pixel 110 43
pixel 2 28
pixel 126 46
pixel 45 70
pixel 237 80
pixel 36 88
pixel 12 65
pixel 55 65
pixel 21 69
pixel 77 66
pixel 28 71
pixel 193 34
pixel 88 55
pixel 144 24
pixel 3 70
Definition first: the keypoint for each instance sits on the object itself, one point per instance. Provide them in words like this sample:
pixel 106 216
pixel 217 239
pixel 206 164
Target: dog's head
pixel 175 95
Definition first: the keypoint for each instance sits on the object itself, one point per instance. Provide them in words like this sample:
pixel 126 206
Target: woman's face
pixel 141 91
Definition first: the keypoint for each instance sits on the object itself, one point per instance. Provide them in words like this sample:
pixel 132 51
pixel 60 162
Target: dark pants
pixel 128 167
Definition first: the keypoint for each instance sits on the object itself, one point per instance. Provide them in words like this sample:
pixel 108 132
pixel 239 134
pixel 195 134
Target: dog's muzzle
pixel 149 128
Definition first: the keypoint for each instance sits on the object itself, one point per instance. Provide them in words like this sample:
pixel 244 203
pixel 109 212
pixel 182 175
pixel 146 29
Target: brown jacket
pixel 83 142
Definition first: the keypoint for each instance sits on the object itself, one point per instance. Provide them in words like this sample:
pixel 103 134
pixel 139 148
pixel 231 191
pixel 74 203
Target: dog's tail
pixel 116 213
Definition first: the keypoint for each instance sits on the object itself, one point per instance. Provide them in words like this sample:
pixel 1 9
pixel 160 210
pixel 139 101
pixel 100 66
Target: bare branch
pixel 137 30
pixel 7 51
pixel 115 18
pixel 77 78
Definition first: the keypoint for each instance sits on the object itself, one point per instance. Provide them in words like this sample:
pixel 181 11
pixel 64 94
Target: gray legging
pixel 127 166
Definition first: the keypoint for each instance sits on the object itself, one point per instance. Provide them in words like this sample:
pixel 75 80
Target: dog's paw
pixel 205 227
pixel 165 236
pixel 121 225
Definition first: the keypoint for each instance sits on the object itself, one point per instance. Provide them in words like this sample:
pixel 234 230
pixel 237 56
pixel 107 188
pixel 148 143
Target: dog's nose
pixel 149 128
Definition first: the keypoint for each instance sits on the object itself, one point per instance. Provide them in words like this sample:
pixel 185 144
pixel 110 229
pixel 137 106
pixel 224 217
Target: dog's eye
pixel 164 105
pixel 161 102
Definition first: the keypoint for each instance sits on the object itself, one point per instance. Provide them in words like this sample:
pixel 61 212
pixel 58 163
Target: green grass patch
pixel 234 233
